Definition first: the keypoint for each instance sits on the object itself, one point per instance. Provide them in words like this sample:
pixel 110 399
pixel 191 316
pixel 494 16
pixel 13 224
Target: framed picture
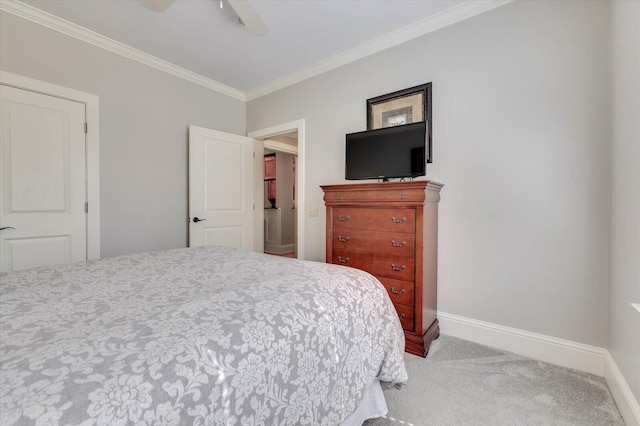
pixel 406 106
pixel 402 107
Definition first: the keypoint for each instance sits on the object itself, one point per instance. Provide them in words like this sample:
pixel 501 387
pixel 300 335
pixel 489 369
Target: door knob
pixel 196 219
pixel 7 227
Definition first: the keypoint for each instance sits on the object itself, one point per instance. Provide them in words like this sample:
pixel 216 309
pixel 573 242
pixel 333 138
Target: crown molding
pixel 448 17
pixel 53 22
pixel 425 26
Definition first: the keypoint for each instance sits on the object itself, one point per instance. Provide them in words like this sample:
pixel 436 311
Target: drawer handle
pixel 341 260
pixel 394 291
pixel 402 315
pixel 402 244
pixel 343 218
pixel 394 267
pixel 394 220
pixel 343 239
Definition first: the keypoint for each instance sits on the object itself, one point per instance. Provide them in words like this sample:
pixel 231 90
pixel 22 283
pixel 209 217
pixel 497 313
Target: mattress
pixel 204 336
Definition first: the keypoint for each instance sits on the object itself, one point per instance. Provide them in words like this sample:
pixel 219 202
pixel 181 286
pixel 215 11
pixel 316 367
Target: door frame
pixel 260 136
pixel 92 146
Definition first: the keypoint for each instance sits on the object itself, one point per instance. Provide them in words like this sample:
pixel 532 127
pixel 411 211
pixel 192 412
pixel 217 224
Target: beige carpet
pixel 287 254
pixel 463 383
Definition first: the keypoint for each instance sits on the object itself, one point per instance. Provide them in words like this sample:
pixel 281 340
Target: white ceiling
pixel 198 36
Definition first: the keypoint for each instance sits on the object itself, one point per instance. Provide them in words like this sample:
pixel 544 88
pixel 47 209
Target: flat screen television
pixel 392 152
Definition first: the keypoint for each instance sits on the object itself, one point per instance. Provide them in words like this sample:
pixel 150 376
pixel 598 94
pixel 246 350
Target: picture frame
pixel 406 106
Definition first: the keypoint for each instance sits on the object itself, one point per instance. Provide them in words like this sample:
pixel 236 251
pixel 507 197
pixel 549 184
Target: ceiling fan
pixel 246 13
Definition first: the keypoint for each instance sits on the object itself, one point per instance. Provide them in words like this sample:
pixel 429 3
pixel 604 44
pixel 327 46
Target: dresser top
pixel 412 192
pixel 377 186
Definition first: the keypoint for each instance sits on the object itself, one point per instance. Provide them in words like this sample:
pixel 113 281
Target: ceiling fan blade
pixel 158 5
pixel 249 17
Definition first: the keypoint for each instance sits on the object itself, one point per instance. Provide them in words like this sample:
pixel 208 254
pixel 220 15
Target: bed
pixel 203 336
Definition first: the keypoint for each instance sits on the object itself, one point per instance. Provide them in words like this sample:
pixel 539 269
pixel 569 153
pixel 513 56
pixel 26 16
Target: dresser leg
pixel 433 332
pixel 419 345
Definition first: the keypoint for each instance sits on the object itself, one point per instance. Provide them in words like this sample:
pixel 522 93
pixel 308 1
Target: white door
pixel 220 189
pixel 42 176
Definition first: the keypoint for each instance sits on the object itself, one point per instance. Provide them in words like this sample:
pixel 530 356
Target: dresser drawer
pixel 400 268
pixel 381 219
pixel 399 291
pixel 405 313
pixel 394 243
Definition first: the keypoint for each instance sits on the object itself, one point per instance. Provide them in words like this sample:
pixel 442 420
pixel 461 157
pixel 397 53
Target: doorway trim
pixel 280 147
pixel 266 133
pixel 92 144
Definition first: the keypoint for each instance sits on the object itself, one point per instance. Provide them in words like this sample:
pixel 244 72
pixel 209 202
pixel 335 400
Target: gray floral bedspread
pixel 207 336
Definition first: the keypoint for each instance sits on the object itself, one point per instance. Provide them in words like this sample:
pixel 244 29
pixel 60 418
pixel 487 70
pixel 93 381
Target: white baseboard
pixel 591 359
pixel 566 353
pixel 627 403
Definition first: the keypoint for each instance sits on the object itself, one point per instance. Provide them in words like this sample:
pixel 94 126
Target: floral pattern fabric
pixel 204 336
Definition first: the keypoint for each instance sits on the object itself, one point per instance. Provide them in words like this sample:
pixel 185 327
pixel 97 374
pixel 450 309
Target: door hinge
pixel 254 206
pixel 86 207
pixel 254 154
pixel 86 128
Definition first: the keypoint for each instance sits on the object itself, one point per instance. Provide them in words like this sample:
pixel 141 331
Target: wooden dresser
pixel 391 231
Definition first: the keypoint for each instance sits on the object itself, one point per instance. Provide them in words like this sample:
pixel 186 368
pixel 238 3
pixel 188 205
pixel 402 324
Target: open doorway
pixel 279 200
pixel 282 139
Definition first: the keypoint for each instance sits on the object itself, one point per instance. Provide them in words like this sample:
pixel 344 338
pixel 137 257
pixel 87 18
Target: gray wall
pixel 521 135
pixel 624 321
pixel 144 115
